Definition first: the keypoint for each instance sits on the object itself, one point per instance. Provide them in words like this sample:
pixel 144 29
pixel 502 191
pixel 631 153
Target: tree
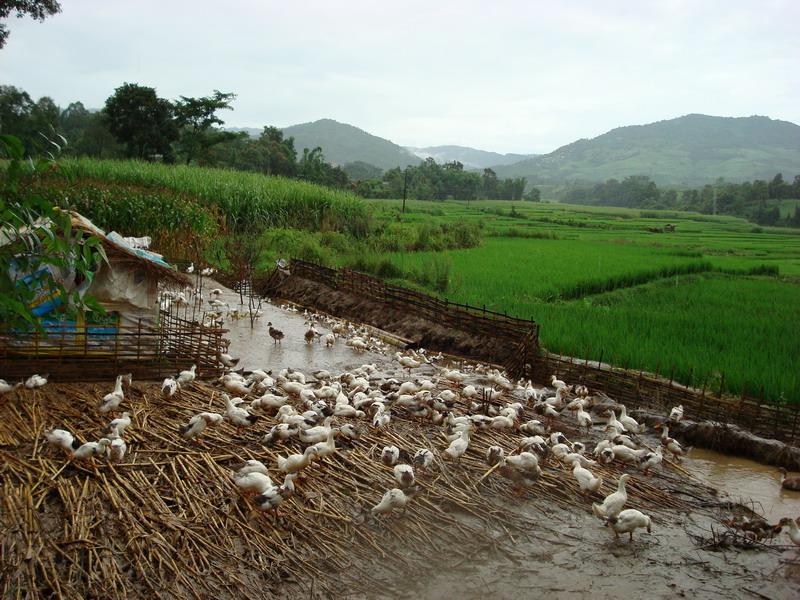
pixel 36 9
pixel 281 157
pixel 197 118
pixel 534 195
pixel 142 121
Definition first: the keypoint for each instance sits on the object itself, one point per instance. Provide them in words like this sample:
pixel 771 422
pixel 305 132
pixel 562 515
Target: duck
pixel 584 418
pixel 227 360
pixel 348 431
pixel 296 462
pixel 585 478
pixel 650 460
pixel 613 423
pixel 423 459
pixel 502 422
pixel 113 399
pixel 627 455
pixel 198 423
pixel 169 387
pixel 494 455
pixel 676 414
pixel 117 426
pixel 458 446
pixel 406 362
pixel 117 449
pixel 469 391
pixel 36 381
pixel 6 387
pixel 89 450
pixel 252 466
pixel 628 521
pixel 237 415
pixel 631 424
pixel 404 475
pixel 527 462
pixel 316 434
pixel 794 531
pixel 345 410
pixel 393 499
pixel 576 457
pixel 789 482
pixel 390 455
pixel 280 432
pixel 613 503
pixel 253 482
pixel 61 438
pixel 533 427
pixel 671 444
pixel 275 334
pixel 187 376
pixel 557 383
pixel 190 269
pixel 326 447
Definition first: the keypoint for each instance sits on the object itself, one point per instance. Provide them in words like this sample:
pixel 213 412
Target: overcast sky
pixel 523 76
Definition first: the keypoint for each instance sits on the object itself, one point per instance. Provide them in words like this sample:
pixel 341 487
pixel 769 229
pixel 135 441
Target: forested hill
pixel 342 144
pixel 692 150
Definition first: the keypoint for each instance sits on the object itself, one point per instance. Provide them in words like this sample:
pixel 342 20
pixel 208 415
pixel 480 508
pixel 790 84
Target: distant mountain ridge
pixel 342 143
pixel 471 158
pixel 692 150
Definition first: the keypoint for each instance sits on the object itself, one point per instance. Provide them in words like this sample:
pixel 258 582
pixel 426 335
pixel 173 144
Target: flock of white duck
pixel 321 409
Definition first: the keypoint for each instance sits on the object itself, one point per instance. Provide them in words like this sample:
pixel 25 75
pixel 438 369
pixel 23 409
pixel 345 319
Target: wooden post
pixel 139 340
pixel 721 385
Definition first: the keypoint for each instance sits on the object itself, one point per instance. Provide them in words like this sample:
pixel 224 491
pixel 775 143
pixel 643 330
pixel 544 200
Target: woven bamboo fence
pixel 87 353
pixel 640 389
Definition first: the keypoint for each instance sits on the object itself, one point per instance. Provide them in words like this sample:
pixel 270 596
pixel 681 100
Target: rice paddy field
pixel 715 303
pixel 707 300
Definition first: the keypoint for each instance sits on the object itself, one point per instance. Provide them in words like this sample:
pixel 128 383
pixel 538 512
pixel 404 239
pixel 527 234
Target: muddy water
pixel 256 350
pixel 744 481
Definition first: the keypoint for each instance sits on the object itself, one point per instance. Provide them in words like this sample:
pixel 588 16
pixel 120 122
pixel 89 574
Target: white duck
pixel 117 449
pixel 237 415
pixel 296 462
pixel 36 381
pixel 392 499
pixel 676 414
pixel 390 455
pixel 63 439
pixel 628 521
pixel 794 531
pixel 113 399
pixel 631 424
pixel 280 432
pixel 613 503
pixel 6 387
pixel 326 447
pixel 169 387
pixel 423 459
pixel 613 423
pixel 650 460
pixel 585 478
pixel 671 444
pixel 527 462
pixel 253 482
pixel 458 446
pixel 89 450
pixel 117 426
pixel 198 423
pixel 316 434
pixel 187 376
pixel 404 475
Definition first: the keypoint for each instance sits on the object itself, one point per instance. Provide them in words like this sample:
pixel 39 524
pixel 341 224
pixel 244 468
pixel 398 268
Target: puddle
pixel 742 480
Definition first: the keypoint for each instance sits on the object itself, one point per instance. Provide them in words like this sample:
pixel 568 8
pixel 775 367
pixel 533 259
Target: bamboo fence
pixel 87 353
pixel 640 389
pixel 168 521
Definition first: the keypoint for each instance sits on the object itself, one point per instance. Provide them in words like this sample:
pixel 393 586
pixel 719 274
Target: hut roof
pixel 121 253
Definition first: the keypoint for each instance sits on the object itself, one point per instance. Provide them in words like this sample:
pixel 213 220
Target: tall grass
pixel 247 201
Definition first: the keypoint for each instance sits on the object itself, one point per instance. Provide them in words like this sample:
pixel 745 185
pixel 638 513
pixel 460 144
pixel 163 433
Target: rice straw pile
pixel 169 521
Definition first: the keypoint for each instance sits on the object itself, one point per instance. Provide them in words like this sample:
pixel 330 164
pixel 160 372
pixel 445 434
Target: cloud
pixel 505 76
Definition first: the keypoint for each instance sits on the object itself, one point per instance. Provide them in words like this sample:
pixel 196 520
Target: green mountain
pixel 342 143
pixel 692 150
pixel 471 158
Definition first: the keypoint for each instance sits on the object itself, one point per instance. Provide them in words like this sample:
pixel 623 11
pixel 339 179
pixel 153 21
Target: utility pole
pixel 405 184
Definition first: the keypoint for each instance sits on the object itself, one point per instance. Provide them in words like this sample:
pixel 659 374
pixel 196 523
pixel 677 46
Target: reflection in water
pixel 745 479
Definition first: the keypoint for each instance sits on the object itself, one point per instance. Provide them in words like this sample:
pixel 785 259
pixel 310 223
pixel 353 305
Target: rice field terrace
pixel 714 302
pixel 709 300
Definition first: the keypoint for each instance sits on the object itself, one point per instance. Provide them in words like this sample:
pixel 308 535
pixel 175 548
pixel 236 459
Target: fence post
pixel 139 340
pixel 721 385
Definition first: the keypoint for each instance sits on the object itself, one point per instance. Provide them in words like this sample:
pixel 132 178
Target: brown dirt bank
pixel 421 332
